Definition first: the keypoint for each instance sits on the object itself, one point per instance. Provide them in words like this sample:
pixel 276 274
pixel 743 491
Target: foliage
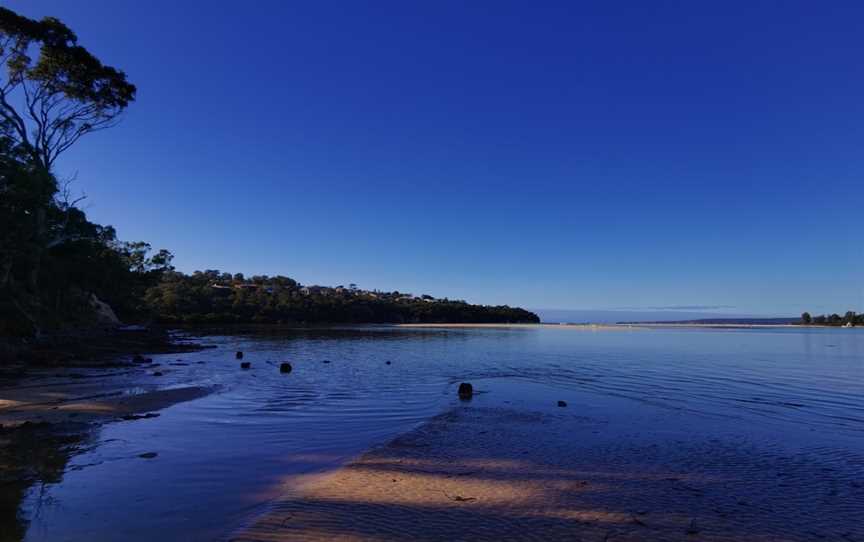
pixel 214 297
pixel 52 100
pixel 850 318
pixel 52 259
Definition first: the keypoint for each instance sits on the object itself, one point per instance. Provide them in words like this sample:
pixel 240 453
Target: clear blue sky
pixel 552 155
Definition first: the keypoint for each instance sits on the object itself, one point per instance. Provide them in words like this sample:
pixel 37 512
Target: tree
pixel 806 319
pixel 54 91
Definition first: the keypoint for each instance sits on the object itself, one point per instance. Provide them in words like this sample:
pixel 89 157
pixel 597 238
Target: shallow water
pixel 221 458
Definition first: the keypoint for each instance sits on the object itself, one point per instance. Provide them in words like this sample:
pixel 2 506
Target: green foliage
pixel 214 297
pixel 850 318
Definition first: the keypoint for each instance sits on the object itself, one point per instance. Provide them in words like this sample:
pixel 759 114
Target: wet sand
pixel 478 473
pixel 62 401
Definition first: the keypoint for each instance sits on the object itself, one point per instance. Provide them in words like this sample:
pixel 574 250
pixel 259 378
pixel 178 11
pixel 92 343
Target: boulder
pixel 466 390
pixel 285 368
pixel 562 403
pixel 246 365
pixel 239 355
pixel 104 313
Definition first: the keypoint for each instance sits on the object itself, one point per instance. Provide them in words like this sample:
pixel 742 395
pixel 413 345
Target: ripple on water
pixel 220 457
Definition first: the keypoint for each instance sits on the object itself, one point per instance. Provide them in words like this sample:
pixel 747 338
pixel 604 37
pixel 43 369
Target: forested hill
pixel 214 297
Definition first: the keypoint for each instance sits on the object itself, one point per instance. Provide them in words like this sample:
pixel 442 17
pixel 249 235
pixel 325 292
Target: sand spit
pixel 67 401
pixel 478 474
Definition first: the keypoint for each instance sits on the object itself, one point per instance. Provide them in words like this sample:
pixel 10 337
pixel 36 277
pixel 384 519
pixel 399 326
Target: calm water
pixel 222 457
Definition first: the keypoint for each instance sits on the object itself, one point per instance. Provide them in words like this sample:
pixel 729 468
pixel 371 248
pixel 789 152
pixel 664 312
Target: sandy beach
pixel 500 474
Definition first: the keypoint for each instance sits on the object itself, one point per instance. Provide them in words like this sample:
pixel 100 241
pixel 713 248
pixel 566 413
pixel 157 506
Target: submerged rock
pixel 157 373
pixel 562 403
pixel 285 368
pixel 245 365
pixel 239 355
pixel 387 362
pixel 466 390
pixel 148 455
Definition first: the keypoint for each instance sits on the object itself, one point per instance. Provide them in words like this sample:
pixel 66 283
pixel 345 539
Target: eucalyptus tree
pixel 52 93
pixel 52 90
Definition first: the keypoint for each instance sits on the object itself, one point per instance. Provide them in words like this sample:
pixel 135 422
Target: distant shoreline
pixel 620 326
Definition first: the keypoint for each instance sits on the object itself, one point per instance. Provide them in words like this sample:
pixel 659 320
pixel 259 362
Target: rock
pixel 138 358
pixel 562 403
pixel 466 390
pixel 285 368
pixel 693 528
pixel 387 362
pixel 326 361
pixel 239 355
pixel 104 313
pixel 246 365
pixel 157 373
pixel 148 455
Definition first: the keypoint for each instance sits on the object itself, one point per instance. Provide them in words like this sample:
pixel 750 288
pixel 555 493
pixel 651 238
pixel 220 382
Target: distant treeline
pixel 850 318
pixel 213 297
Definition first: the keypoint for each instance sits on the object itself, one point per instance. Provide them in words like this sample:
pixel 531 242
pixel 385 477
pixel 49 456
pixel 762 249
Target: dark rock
pixel 562 403
pixel 326 361
pixel 387 362
pixel 694 527
pixel 466 390
pixel 285 368
pixel 239 355
pixel 157 373
pixel 137 358
pixel 148 455
pixel 246 365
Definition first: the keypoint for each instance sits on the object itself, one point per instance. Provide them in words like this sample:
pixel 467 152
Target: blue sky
pixel 567 155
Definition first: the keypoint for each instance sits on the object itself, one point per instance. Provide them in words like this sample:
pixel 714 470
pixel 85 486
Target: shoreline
pixel 50 413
